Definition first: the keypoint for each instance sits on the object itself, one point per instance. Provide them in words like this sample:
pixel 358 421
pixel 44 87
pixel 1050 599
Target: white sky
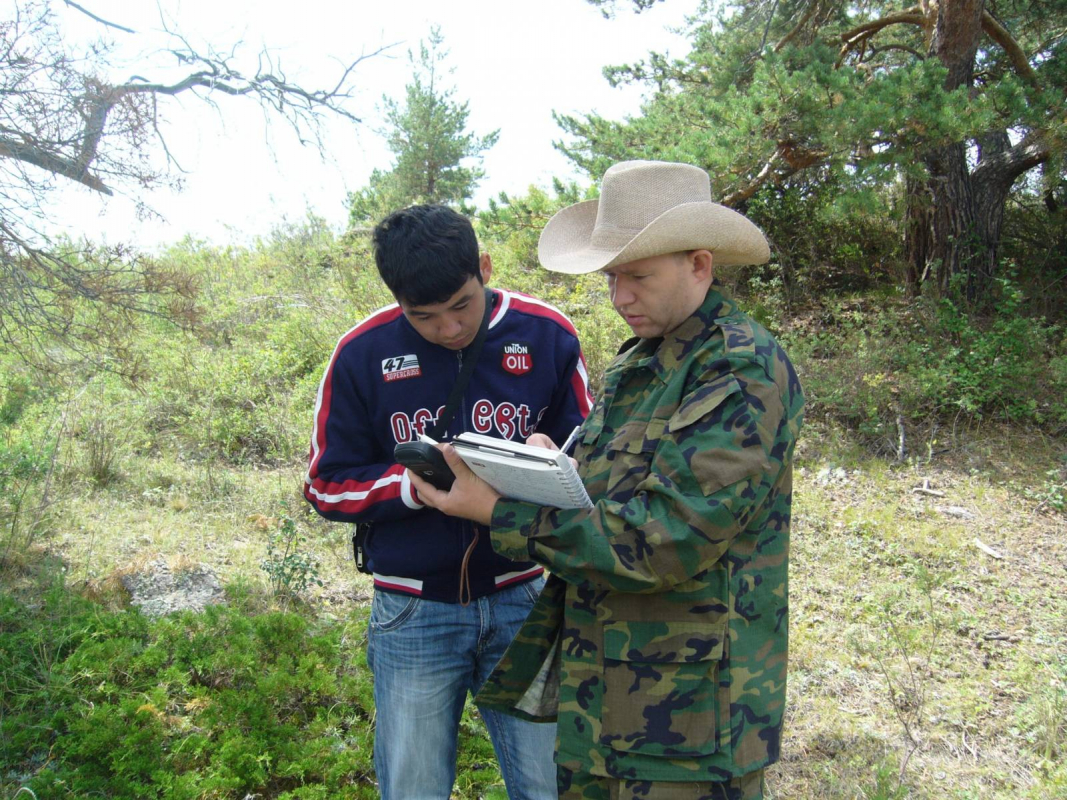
pixel 515 62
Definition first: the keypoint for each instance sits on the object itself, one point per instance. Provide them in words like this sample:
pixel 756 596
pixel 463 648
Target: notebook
pixel 523 472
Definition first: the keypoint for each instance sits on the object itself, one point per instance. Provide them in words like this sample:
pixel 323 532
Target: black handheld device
pixel 426 461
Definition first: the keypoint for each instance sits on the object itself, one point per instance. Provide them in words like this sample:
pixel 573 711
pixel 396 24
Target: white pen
pixel 570 439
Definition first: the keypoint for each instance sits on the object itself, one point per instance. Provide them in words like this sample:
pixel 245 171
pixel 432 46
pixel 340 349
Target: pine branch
pixel 764 175
pixel 909 16
pixel 999 34
pixel 808 14
pixel 1003 168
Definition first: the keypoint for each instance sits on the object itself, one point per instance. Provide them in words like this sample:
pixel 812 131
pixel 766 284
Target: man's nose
pixel 451 327
pixel 621 296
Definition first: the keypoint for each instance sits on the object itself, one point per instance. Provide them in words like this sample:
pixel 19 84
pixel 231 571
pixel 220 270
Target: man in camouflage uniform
pixel 660 641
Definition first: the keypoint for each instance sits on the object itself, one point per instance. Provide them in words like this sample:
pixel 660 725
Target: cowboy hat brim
pixel 566 242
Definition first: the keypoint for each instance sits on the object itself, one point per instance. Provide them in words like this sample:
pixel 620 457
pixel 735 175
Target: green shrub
pixel 289 565
pixel 242 385
pixel 30 441
pixel 214 704
pixel 993 364
pixel 892 366
pixel 826 239
pixel 226 703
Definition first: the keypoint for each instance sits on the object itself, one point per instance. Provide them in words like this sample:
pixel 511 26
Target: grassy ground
pixel 929 617
pixel 922 664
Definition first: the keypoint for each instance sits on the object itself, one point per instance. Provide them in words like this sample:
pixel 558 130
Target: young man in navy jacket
pixel 445 604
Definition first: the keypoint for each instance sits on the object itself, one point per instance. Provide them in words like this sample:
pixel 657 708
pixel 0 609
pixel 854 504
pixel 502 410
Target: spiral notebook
pixel 523 472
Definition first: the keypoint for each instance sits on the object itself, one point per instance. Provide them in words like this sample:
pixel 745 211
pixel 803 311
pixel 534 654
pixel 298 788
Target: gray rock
pixel 158 591
pixel 955 511
pixel 829 475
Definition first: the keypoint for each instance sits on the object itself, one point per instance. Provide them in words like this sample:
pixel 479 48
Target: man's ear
pixel 485 267
pixel 703 265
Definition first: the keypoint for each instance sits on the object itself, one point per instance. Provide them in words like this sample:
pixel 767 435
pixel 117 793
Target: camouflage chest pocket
pixel 712 460
pixel 661 686
pixel 629 454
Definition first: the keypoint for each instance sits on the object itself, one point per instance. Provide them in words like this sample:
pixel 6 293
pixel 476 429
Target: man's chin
pixel 643 328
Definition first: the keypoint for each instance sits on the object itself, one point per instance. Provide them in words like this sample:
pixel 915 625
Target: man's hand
pixel 470 497
pixel 542 440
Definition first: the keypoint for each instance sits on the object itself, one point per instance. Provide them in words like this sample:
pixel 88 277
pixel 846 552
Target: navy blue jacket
pixel 386 384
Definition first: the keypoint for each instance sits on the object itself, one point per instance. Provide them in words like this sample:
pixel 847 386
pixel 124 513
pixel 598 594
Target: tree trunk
pixel 967 218
pixel 918 233
pixel 957 242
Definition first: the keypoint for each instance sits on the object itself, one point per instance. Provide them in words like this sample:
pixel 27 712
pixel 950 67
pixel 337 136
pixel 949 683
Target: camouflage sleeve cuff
pixel 513 521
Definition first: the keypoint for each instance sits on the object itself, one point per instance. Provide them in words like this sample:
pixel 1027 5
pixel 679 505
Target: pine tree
pixel 431 145
pixel 955 99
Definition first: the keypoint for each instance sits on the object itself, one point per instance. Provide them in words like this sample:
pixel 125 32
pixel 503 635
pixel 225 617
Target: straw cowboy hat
pixel 648 208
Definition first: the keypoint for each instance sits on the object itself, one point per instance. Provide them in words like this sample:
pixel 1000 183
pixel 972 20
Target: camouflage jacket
pixel 660 640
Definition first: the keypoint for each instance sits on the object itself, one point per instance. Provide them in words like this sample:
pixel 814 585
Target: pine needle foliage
pixel 435 157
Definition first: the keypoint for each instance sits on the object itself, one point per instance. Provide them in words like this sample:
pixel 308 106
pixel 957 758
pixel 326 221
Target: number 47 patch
pixel 397 368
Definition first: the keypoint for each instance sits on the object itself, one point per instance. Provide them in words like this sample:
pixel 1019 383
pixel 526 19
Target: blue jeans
pixel 426 657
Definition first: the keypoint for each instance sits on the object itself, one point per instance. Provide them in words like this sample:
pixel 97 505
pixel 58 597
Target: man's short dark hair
pixel 425 254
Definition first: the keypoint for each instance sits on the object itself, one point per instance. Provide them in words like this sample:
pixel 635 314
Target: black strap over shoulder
pixel 470 359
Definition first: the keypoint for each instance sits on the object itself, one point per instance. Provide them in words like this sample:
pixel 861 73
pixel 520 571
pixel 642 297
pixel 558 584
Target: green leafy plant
pixel 28 463
pixel 289 565
pixel 1044 716
pixel 886 784
pixel 1053 491
pixel 227 703
pixel 105 448
pixel 897 371
pixel 904 650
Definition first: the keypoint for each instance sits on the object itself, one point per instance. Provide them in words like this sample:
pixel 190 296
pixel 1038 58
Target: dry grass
pixel 979 672
pixel 222 519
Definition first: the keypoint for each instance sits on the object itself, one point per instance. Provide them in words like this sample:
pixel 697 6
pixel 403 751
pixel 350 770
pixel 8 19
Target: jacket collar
pixel 663 355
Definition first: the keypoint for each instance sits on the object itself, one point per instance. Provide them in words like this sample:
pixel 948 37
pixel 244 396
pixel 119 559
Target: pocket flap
pixel 702 401
pixel 664 642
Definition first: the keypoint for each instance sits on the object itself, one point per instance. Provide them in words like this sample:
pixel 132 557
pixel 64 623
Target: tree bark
pixel 918 233
pixel 955 225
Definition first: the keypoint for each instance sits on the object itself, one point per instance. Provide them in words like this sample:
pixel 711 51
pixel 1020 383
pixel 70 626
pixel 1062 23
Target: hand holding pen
pixel 542 440
pixel 570 439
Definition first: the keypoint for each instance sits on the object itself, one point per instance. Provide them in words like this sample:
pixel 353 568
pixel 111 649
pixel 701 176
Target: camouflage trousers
pixel 583 786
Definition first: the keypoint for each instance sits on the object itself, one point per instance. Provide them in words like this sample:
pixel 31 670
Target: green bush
pixel 993 365
pixel 881 367
pixel 825 239
pixel 30 441
pixel 290 566
pixel 242 384
pixel 218 704
pixel 225 703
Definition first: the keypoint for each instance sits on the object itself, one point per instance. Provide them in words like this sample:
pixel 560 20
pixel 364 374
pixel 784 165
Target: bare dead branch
pixel 93 16
pixel 61 122
pixel 50 162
